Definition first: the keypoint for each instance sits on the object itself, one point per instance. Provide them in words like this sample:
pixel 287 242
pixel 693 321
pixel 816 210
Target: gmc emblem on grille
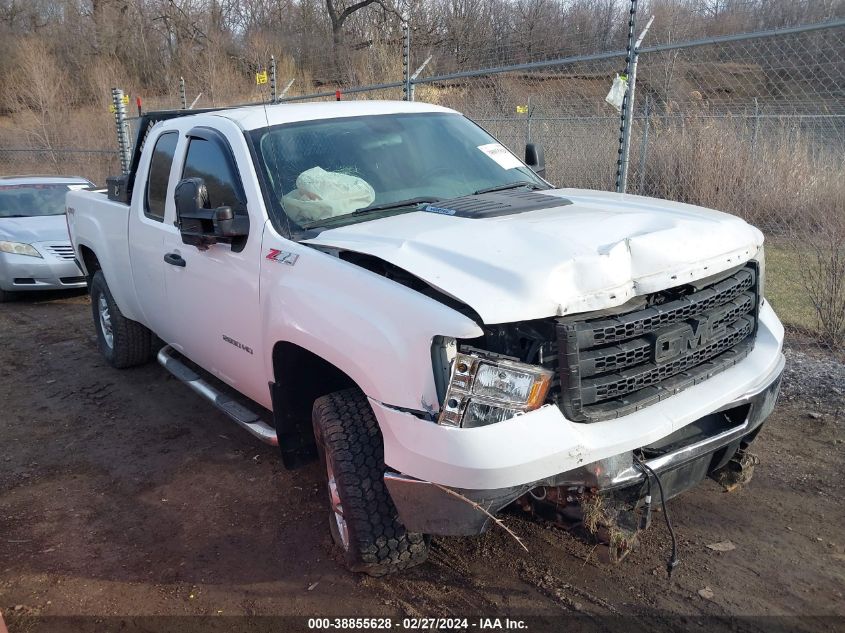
pixel 687 337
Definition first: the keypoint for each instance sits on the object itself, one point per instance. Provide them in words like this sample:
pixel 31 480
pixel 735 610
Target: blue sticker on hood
pixel 441 210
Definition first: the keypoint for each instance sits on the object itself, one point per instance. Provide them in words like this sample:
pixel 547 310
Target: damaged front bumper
pixel 682 459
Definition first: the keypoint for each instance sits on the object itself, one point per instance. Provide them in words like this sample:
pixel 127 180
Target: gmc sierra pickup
pixel 385 287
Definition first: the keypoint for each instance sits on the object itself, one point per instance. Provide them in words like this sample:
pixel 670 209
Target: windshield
pixel 322 172
pixel 19 201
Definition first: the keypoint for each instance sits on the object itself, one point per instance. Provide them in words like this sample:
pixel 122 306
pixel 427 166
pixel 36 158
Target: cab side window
pixel 208 161
pixel 159 176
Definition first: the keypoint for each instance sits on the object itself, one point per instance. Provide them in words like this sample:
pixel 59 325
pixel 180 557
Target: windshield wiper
pixel 387 206
pixel 397 205
pixel 511 185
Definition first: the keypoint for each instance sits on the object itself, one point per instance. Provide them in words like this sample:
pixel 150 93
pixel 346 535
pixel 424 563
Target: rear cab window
pixel 159 176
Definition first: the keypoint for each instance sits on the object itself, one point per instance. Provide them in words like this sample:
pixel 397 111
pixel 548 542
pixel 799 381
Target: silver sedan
pixel 35 250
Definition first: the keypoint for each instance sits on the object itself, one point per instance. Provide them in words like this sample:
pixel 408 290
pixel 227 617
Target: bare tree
pixel 339 13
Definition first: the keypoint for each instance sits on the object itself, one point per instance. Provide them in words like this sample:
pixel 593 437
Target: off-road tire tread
pixel 348 434
pixel 132 341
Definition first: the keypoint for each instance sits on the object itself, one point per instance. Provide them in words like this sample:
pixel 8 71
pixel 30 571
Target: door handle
pixel 175 259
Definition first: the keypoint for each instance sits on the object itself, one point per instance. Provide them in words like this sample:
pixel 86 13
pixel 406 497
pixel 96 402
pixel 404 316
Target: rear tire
pixel 362 518
pixel 5 296
pixel 123 342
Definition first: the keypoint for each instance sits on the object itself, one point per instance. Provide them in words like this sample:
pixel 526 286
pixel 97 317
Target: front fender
pixel 375 330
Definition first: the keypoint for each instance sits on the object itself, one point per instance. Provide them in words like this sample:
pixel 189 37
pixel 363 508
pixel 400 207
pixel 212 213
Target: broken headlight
pixel 485 389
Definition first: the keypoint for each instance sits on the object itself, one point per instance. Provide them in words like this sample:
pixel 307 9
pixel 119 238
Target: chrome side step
pixel 249 420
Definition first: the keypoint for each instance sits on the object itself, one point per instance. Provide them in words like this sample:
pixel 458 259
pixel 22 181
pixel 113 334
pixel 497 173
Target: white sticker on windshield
pixel 77 187
pixel 501 155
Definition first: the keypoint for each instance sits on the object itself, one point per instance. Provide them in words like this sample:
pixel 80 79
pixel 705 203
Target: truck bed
pixel 99 233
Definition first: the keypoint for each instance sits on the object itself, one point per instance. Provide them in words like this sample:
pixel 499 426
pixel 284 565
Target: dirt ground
pixel 124 494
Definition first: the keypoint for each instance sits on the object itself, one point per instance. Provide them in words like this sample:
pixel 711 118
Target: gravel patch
pixel 817 383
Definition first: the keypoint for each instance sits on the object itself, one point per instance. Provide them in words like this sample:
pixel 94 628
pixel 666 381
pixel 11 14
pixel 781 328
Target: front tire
pixel 123 342
pixel 362 518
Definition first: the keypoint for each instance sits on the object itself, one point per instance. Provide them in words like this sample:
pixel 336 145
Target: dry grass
pixel 592 507
pixel 785 288
pixel 780 180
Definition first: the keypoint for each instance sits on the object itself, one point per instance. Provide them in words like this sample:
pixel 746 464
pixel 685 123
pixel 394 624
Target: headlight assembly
pixel 485 389
pixel 19 248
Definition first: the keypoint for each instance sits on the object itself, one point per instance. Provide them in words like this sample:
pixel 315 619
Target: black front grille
pixel 613 366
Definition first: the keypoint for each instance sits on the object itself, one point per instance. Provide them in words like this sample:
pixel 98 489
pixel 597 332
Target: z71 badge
pixel 283 257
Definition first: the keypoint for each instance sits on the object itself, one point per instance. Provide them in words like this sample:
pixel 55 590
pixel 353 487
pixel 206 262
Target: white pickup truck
pixel 384 286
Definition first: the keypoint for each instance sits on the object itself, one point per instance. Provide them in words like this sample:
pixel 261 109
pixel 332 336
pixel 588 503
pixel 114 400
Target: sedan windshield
pixel 20 201
pixel 346 170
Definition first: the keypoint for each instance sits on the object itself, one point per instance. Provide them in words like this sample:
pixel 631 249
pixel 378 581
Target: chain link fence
pixel 94 164
pixel 751 124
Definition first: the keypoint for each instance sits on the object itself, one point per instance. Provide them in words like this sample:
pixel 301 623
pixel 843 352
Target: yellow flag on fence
pixel 522 109
pixel 261 78
pixel 125 102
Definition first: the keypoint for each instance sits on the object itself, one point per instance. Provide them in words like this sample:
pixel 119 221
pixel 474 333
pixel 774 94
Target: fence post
pixel 406 59
pixel 528 122
pixel 644 147
pixel 273 94
pixel 182 97
pixel 756 128
pixel 624 130
pixel 628 105
pixel 120 124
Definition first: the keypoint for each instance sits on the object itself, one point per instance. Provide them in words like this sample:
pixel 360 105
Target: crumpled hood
pixel 595 253
pixel 44 228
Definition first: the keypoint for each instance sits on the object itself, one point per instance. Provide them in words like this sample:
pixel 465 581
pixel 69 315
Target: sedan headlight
pixel 19 248
pixel 485 389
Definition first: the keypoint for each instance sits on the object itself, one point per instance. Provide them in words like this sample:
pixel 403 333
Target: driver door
pixel 213 289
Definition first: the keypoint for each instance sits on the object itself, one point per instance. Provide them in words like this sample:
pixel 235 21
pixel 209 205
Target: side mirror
pixel 201 226
pixel 227 224
pixel 195 221
pixel 535 158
